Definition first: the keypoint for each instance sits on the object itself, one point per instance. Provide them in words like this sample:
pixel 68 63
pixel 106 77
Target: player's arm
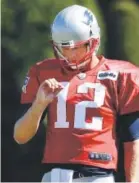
pixel 130 138
pixel 131 159
pixel 129 110
pixel 26 127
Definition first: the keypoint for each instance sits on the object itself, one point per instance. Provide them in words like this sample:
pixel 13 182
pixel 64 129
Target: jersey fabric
pixel 82 118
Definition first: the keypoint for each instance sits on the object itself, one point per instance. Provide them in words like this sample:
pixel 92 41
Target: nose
pixel 72 55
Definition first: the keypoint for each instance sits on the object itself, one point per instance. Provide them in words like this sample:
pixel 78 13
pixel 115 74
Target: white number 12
pixel 80 108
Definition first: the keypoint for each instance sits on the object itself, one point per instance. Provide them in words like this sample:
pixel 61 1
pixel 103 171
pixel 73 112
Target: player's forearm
pixel 27 126
pixel 131 154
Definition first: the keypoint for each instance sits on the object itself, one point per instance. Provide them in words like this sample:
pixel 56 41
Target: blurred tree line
pixel 25 29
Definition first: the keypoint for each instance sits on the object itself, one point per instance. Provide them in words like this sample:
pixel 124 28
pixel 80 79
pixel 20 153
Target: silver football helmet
pixel 73 26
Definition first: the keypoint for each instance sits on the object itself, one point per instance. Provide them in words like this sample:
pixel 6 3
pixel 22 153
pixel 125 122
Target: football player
pixel 85 95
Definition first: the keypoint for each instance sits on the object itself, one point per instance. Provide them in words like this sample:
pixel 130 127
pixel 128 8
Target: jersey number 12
pixel 80 108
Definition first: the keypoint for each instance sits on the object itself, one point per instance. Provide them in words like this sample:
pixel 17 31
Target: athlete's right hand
pixel 48 90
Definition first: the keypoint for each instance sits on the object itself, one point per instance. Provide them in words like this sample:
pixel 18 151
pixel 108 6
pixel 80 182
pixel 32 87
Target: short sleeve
pixel 129 92
pixel 30 86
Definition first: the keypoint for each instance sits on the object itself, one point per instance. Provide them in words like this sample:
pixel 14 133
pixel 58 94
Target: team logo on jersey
pixel 24 87
pixel 113 75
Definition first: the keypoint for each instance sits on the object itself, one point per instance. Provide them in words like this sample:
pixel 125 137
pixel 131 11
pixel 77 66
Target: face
pixel 74 54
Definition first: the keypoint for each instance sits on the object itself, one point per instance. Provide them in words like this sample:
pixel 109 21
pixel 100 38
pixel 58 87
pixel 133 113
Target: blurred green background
pixel 25 29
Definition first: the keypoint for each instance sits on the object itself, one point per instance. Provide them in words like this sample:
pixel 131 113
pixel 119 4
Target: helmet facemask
pixel 77 64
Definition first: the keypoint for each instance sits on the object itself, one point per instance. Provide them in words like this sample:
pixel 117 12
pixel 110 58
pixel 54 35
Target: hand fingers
pixel 57 91
pixel 55 84
pixel 52 85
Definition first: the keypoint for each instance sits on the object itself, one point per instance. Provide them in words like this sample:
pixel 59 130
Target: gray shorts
pixel 64 175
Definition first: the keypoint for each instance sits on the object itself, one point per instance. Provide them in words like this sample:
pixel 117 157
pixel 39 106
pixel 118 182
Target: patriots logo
pixel 88 17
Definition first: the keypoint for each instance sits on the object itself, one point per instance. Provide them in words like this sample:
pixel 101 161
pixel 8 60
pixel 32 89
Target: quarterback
pixel 86 97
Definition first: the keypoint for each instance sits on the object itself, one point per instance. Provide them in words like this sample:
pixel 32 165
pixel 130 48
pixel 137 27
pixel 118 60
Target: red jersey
pixel 82 118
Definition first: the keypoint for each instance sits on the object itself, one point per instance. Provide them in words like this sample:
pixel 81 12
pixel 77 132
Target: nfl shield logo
pixel 82 75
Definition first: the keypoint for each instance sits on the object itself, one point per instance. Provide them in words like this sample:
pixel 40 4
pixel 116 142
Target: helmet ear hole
pixel 91 33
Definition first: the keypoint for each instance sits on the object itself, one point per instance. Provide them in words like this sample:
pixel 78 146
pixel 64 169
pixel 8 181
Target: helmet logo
pixel 88 17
